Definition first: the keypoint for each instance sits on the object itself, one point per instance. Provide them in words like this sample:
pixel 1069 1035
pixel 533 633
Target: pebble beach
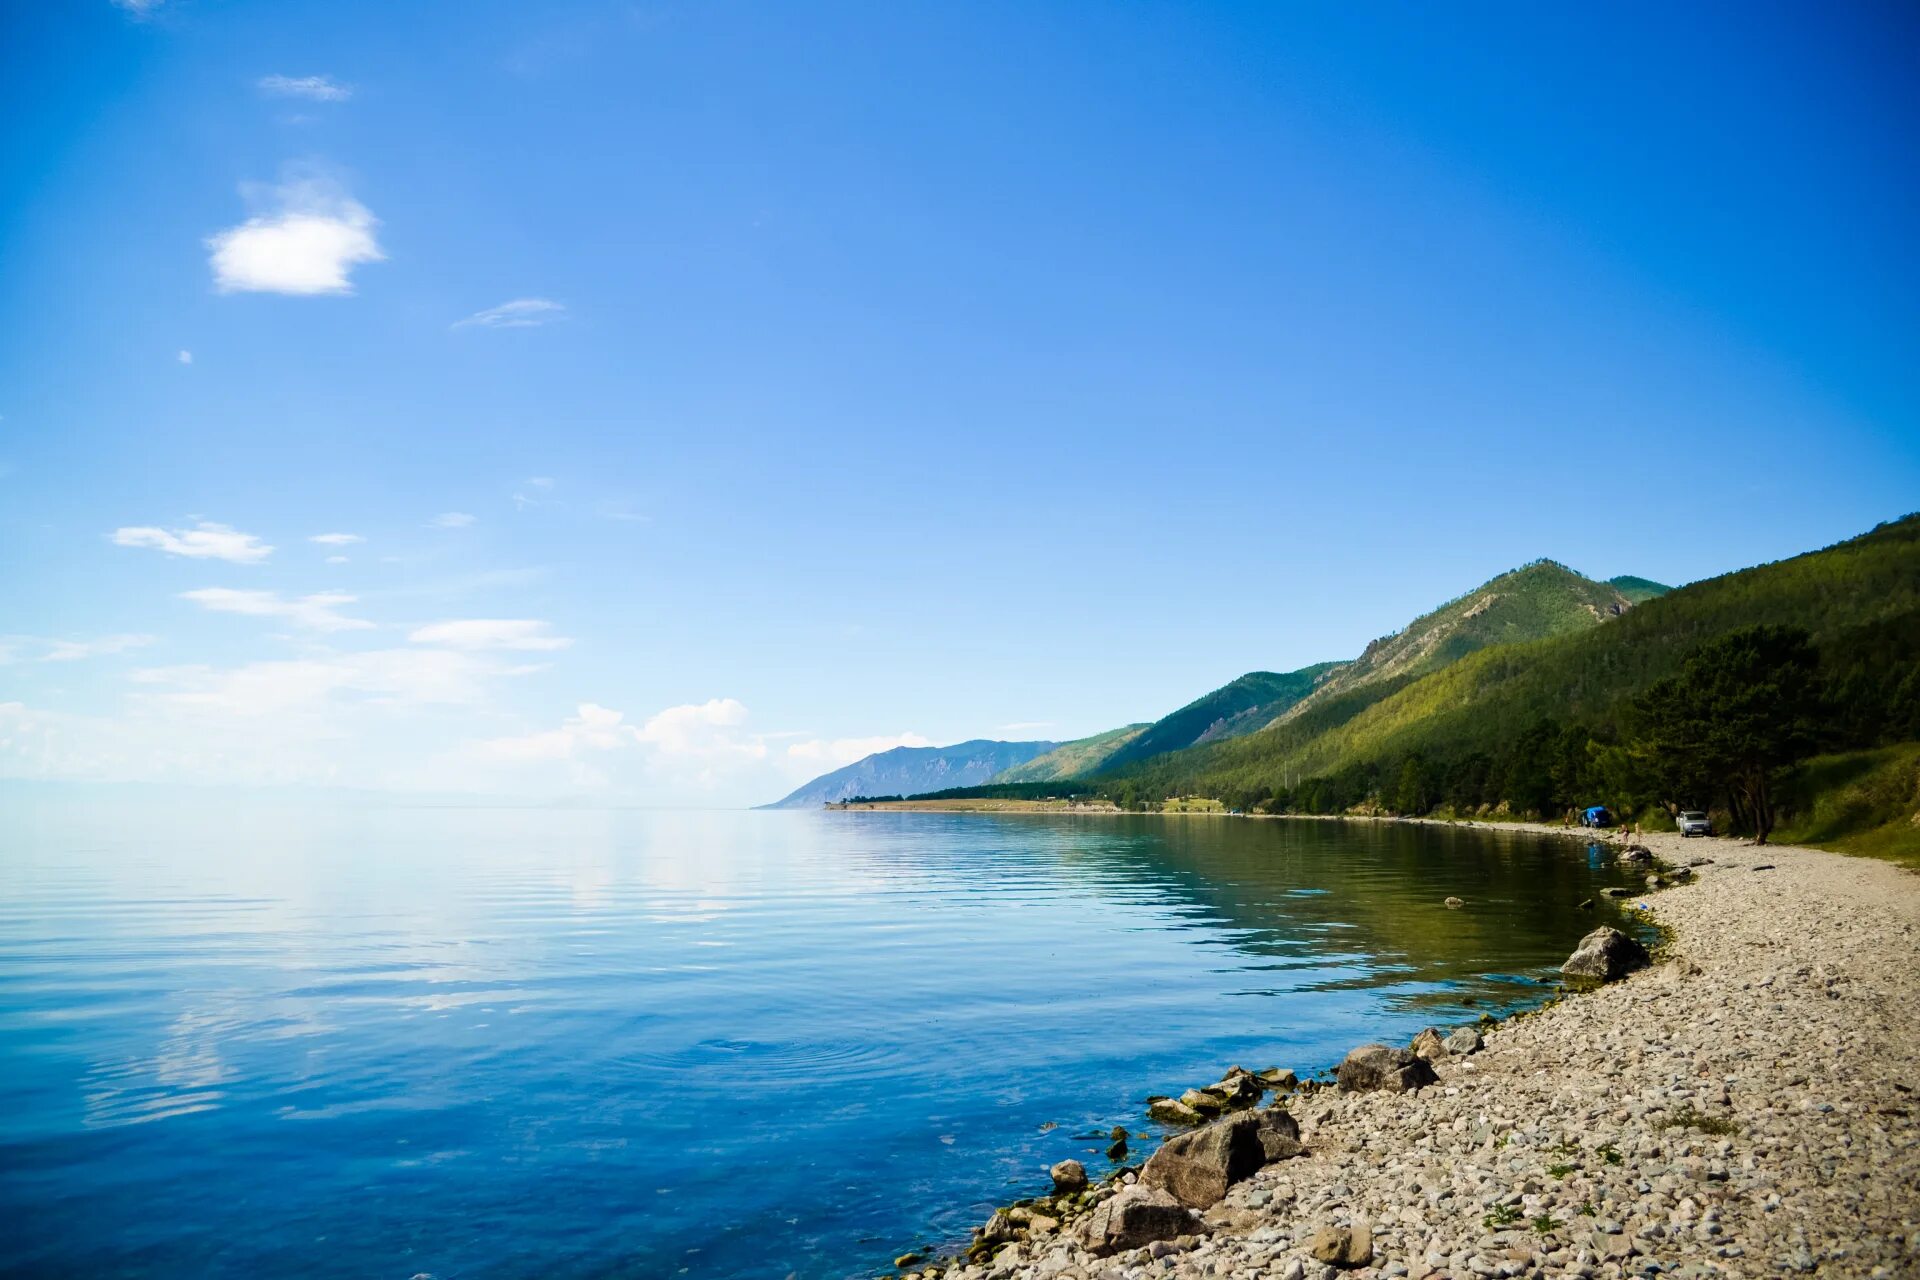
pixel 1743 1105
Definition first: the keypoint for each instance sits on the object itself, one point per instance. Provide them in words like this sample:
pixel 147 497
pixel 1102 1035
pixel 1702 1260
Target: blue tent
pixel 1597 816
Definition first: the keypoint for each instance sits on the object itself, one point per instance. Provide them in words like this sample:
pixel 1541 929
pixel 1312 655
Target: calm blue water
pixel 565 1043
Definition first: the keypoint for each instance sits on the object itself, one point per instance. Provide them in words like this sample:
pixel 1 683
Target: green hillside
pixel 1072 759
pixel 1538 600
pixel 1543 724
pixel 1241 706
pixel 1638 590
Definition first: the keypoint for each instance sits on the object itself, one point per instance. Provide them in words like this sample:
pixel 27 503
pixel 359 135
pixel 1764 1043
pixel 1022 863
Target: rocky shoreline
pixel 1743 1105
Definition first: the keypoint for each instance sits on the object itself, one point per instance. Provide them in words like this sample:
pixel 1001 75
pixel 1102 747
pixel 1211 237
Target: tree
pixel 1744 709
pixel 1414 795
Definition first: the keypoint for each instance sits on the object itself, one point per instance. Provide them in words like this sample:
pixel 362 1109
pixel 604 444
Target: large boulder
pixel 1134 1217
pixel 1605 954
pixel 1463 1040
pixel 1205 1101
pixel 1429 1045
pixel 1069 1177
pixel 1279 1134
pixel 1381 1066
pixel 1197 1168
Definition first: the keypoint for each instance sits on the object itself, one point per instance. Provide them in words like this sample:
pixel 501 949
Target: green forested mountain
pixel 1546 723
pixel 1074 759
pixel 1638 590
pixel 1240 706
pixel 1538 600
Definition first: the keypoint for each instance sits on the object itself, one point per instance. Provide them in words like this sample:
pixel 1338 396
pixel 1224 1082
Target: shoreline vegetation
pixel 1738 1103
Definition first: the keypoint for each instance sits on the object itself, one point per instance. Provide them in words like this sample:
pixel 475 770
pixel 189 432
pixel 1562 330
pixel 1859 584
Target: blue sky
pixel 710 393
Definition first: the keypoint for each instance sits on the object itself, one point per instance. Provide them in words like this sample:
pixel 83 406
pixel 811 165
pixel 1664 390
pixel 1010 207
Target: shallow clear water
pixel 472 1042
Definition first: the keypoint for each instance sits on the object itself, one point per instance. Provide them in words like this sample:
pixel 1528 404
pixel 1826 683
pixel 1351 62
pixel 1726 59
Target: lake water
pixel 503 1043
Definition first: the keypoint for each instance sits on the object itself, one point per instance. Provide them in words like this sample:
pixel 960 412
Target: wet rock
pixel 1454 904
pixel 1616 893
pixel 1378 1066
pixel 1280 1080
pixel 1069 1177
pixel 1197 1168
pixel 1604 955
pixel 1429 1046
pixel 1636 853
pixel 1241 1090
pixel 1204 1101
pixel 1134 1217
pixel 1000 1228
pixel 1173 1111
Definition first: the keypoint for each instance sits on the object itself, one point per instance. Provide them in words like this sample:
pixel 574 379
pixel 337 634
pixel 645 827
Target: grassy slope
pixel 1491 696
pixel 1538 600
pixel 1865 802
pixel 1072 759
pixel 1238 707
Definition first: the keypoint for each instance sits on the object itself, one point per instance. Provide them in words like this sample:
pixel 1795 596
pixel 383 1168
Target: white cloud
pixel 701 729
pixel 336 539
pixel 307 243
pixel 521 313
pixel 38 649
pixel 316 612
pixel 316 88
pixel 491 633
pixel 451 520
pixel 205 541
pixel 312 686
pixel 821 754
pixel 185 356
pixel 540 482
pixel 591 728
pixel 138 8
pixel 336 559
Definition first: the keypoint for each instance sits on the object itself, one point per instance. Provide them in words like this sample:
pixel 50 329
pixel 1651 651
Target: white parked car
pixel 1695 823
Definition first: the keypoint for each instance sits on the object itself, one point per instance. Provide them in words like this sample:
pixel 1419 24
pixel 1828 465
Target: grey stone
pixel 1379 1066
pixel 1604 955
pixel 1069 1177
pixel 1134 1217
pixel 1197 1168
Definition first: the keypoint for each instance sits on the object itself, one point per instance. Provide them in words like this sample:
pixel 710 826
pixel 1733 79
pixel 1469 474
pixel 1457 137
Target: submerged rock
pixel 1197 1168
pixel 1454 904
pixel 1604 955
pixel 1173 1111
pixel 1137 1216
pixel 1380 1066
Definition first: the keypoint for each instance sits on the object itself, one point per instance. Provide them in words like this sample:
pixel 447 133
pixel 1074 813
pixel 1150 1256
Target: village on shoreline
pixel 1738 1103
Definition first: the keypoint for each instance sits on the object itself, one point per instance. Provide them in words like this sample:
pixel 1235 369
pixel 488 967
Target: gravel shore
pixel 1745 1107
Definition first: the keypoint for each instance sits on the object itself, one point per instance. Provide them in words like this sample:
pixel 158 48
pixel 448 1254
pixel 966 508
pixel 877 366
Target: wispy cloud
pixel 205 541
pixel 314 88
pixel 138 8
pixel 451 520
pixel 491 633
pixel 336 539
pixel 39 649
pixel 308 241
pixel 521 313
pixel 317 612
pixel 185 356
